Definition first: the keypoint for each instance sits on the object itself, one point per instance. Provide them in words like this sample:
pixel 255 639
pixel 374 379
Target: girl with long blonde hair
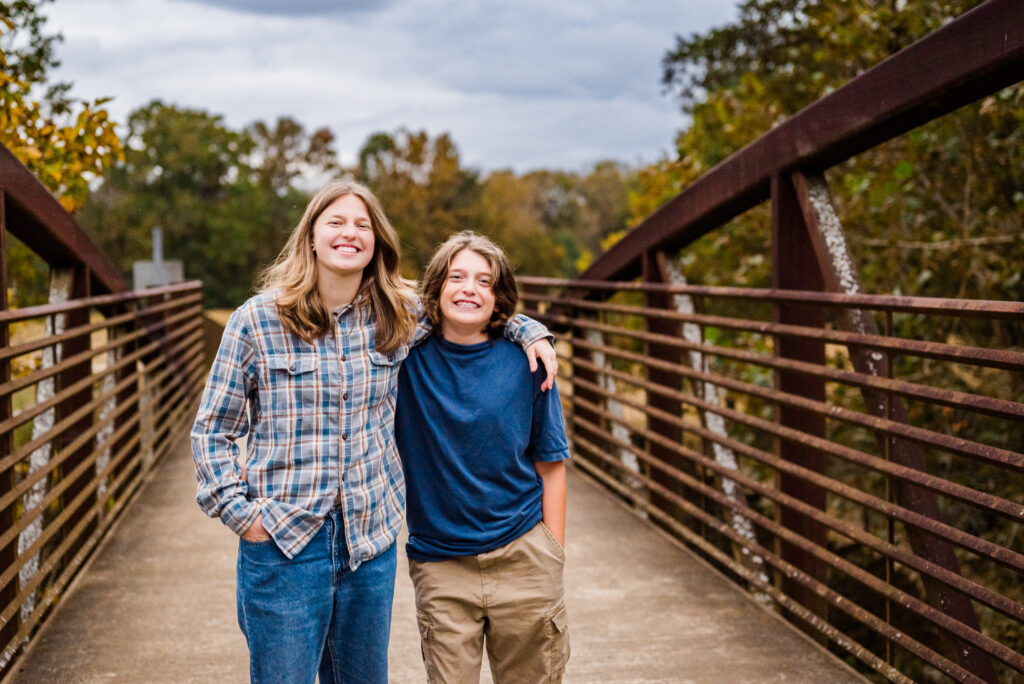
pixel 307 372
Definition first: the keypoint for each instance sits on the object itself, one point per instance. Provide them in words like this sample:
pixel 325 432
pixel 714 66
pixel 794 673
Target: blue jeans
pixel 312 613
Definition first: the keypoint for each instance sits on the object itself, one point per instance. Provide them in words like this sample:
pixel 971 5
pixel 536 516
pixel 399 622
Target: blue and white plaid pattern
pixel 320 420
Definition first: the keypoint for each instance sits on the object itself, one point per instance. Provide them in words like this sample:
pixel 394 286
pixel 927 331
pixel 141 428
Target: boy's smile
pixel 467 299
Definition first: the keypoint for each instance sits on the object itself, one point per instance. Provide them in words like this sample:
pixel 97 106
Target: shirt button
pixel 345 396
pixel 342 357
pixel 291 366
pixel 344 437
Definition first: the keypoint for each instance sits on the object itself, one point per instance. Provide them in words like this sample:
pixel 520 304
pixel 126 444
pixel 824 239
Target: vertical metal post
pixel 656 300
pixel 836 263
pixel 795 267
pixel 8 553
pixel 80 289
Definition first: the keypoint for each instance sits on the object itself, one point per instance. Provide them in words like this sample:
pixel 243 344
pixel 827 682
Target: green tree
pixel 67 143
pixel 935 212
pixel 424 189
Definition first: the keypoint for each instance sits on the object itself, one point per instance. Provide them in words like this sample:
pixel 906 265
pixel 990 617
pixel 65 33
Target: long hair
pixel 503 282
pixel 294 275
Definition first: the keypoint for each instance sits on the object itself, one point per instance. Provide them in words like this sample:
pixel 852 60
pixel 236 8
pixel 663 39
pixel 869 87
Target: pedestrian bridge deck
pixel 156 604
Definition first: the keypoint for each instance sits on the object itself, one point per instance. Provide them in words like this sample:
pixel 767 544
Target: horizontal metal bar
pixel 57 459
pixel 42 310
pixel 869 581
pixel 1009 509
pixel 980 356
pixel 88 354
pixel 28 347
pixel 32 412
pixel 999 408
pixel 792 572
pixel 974 450
pixel 976 591
pixel 688 536
pixel 54 589
pixel 964 308
pixel 977 545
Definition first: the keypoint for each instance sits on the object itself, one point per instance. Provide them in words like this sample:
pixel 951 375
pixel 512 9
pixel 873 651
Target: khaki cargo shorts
pixel 512 599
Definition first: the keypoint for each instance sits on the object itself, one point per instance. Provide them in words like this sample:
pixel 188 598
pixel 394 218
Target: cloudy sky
pixel 517 83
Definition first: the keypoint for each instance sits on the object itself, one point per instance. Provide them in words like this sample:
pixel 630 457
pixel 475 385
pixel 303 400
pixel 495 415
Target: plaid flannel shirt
pixel 320 420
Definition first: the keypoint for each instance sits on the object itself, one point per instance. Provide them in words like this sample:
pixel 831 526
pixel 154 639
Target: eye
pixel 364 226
pixel 486 282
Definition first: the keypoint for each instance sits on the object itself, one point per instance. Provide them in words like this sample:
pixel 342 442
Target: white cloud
pixel 523 84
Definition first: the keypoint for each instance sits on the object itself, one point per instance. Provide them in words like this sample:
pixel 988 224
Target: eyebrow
pixel 358 218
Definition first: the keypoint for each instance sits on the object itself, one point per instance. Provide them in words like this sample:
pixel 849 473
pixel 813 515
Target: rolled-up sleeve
pixel 221 421
pixel 524 331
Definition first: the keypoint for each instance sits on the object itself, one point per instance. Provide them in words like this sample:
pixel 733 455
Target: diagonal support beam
pixel 841 276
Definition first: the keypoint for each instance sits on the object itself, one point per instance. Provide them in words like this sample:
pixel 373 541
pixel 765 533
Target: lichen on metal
pixel 60 291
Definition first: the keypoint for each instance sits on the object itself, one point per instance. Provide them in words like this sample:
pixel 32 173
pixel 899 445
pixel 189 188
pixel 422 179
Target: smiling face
pixel 467 299
pixel 343 238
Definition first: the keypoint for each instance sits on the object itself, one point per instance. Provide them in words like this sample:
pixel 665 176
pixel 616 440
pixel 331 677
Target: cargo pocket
pixel 427 644
pixel 558 643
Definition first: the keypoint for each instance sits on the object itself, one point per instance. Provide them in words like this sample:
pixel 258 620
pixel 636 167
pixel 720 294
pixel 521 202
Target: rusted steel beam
pixel 853 532
pixel 961 308
pixel 878 423
pixel 999 408
pixel 979 53
pixel 792 608
pixel 812 585
pixel 1005 359
pixel 38 220
pixel 26 347
pixel 794 268
pixel 653 272
pixel 1004 507
pixel 832 253
pixel 8 555
pixel 981 547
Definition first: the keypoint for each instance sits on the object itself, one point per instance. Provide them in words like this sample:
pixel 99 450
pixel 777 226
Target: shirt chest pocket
pixel 384 373
pixel 292 383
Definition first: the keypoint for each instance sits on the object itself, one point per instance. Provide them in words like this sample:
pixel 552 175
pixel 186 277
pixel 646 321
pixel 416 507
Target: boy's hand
pixel 544 350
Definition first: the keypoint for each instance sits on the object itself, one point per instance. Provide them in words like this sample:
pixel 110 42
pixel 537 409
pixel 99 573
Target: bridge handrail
pixel 97 385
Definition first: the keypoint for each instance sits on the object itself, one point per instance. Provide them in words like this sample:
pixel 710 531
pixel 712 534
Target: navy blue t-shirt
pixel 470 422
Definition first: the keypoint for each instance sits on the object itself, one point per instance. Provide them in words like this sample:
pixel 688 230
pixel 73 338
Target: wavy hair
pixel 503 281
pixel 293 276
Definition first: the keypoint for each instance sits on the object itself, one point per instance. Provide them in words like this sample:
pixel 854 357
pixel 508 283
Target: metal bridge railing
pixel 910 472
pixel 94 387
pixel 854 459
pixel 102 387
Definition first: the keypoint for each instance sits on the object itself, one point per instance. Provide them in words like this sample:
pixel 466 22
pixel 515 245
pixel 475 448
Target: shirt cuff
pixel 240 514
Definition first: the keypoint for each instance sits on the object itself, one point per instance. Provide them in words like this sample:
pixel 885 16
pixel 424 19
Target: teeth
pixel 346 249
pixel 467 305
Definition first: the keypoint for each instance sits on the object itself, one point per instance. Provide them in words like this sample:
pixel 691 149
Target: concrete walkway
pixel 157 604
